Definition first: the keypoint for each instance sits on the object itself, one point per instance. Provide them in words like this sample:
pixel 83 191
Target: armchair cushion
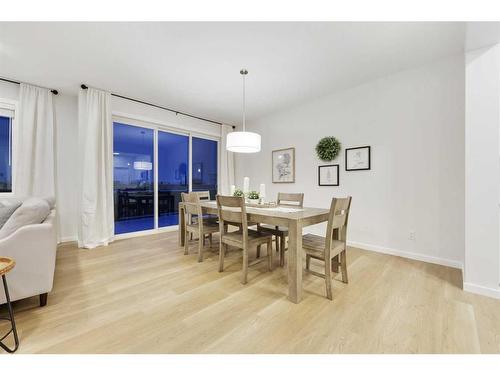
pixel 7 208
pixel 32 211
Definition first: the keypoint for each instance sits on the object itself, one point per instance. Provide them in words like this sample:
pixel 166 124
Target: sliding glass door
pixel 152 167
pixel 173 175
pixel 133 170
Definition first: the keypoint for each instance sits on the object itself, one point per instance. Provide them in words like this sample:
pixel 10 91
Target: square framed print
pixel 358 158
pixel 283 165
pixel 328 175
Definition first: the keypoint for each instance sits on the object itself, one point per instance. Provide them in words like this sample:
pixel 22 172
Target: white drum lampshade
pixel 143 165
pixel 245 142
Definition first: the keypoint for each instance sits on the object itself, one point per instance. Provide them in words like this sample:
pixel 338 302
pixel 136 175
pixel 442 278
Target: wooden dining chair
pixel 331 246
pixel 281 233
pixel 201 228
pixel 232 210
pixel 203 195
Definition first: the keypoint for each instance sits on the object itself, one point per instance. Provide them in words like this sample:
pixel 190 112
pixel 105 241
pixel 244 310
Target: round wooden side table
pixel 7 264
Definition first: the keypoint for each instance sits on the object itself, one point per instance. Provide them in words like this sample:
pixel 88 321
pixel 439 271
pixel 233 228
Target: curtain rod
pixel 55 92
pixel 85 87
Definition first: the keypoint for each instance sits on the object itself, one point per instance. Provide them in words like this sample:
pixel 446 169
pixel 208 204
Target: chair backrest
pixel 191 204
pixel 291 199
pixel 232 210
pixel 337 220
pixel 203 195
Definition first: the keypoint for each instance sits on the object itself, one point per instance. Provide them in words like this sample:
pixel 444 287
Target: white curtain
pixel 35 152
pixel 95 201
pixel 226 163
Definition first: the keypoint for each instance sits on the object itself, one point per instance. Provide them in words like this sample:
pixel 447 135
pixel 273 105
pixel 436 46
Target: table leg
pixel 182 226
pixel 295 261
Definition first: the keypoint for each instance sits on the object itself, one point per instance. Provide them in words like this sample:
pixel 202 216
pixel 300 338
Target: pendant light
pixel 244 142
pixel 143 165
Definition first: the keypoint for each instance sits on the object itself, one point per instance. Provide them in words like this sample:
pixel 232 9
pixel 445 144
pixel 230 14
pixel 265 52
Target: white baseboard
pixel 407 254
pixel 482 290
pixel 68 239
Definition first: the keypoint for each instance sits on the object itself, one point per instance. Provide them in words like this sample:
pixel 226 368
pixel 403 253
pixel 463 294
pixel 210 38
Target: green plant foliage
pixel 238 193
pixel 253 195
pixel 328 148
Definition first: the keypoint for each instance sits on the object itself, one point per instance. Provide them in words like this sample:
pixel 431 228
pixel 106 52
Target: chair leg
pixel 343 266
pixel 201 245
pixel 244 277
pixel 186 242
pixel 43 299
pixel 270 254
pixel 222 251
pixel 308 262
pixel 191 236
pixel 335 264
pixel 258 251
pixel 282 250
pixel 210 240
pixel 328 278
pixel 277 240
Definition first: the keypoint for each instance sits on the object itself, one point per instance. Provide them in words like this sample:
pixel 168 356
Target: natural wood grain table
pixel 293 218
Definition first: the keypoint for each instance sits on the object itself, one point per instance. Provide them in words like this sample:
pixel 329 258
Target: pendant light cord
pixel 244 114
pixel 244 72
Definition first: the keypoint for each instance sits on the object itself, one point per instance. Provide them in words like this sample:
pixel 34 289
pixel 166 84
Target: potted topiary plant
pixel 238 193
pixel 253 197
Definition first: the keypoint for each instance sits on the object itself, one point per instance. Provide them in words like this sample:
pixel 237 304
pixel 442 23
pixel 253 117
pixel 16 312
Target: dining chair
pixel 232 210
pixel 205 196
pixel 201 228
pixel 202 195
pixel 331 246
pixel 280 233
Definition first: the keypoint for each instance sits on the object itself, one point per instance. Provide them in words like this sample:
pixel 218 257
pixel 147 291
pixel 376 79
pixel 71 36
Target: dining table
pixel 295 219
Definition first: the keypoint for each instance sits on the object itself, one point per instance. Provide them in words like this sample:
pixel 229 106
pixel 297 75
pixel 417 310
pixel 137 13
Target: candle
pixel 262 191
pixel 233 188
pixel 246 185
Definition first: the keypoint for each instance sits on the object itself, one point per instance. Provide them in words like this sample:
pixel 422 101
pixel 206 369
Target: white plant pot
pixel 253 201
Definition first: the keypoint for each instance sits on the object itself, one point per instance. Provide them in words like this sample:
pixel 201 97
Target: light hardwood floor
pixel 143 295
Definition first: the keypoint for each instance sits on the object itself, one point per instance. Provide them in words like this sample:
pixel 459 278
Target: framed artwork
pixel 357 158
pixel 283 165
pixel 328 175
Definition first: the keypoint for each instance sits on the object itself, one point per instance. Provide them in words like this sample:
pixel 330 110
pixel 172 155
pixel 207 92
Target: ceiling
pixel 194 67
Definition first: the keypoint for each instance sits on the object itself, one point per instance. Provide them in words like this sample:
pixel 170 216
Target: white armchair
pixel 33 247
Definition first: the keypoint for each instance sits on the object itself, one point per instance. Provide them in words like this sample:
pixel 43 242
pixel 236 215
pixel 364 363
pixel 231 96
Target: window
pixel 6 118
pixel 133 176
pixel 173 178
pixel 152 168
pixel 204 168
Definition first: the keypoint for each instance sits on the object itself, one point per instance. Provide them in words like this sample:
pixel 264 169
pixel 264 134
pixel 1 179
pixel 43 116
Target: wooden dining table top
pixel 283 212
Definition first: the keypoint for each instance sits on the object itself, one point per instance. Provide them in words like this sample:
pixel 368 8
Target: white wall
pixel 66 108
pixel 414 122
pixel 482 168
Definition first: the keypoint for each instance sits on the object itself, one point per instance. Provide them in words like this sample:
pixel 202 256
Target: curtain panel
pixel 226 163
pixel 95 198
pixel 35 151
